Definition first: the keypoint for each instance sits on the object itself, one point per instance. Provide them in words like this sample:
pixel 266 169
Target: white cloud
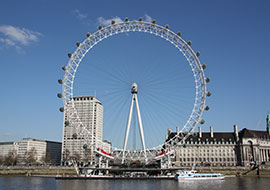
pixel 106 22
pixel 148 18
pixel 79 15
pixel 15 36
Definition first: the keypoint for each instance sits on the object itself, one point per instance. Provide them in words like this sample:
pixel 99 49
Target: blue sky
pixel 35 37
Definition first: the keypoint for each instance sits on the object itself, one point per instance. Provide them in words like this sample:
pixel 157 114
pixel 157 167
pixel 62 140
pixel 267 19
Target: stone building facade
pixel 239 148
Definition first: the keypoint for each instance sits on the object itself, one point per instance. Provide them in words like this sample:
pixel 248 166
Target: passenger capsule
pixel 206 108
pixel 78 44
pixel 66 123
pixel 140 19
pixel 202 122
pixel 88 34
pixel 189 43
pixel 208 94
pixel 60 81
pixel 61 109
pixel 74 136
pixel 69 55
pixel 113 22
pixel 64 68
pixel 99 27
pixel 59 95
pixel 207 79
pixel 204 66
pixel 126 19
pixel 179 34
pixel 198 54
pixel 167 26
pixel 154 21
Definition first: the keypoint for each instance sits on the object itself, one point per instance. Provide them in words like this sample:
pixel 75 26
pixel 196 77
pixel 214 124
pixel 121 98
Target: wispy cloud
pixel 15 36
pixel 106 22
pixel 148 18
pixel 79 15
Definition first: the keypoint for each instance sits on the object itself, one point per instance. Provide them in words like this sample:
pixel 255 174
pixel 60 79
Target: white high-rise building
pixel 90 112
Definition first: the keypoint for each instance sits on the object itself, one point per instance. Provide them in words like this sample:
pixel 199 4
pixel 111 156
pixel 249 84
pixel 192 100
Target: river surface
pixel 42 183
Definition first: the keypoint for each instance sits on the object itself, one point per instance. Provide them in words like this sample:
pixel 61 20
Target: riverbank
pixel 35 170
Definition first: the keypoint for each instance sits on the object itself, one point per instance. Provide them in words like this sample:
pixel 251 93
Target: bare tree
pixel 87 155
pixel 1 160
pixel 76 157
pixel 66 155
pixel 11 158
pixel 30 156
pixel 46 159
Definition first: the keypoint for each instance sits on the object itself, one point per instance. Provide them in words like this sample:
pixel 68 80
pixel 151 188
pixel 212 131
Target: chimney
pixel 177 130
pixel 236 132
pixel 268 124
pixel 169 131
pixel 200 132
pixel 211 132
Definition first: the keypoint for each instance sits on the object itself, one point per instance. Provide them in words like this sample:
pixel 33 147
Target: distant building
pixel 6 147
pixel 238 148
pixel 43 150
pixel 90 111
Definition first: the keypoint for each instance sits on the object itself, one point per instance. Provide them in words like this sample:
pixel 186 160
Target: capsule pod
pixel 202 122
pixel 207 79
pixel 88 34
pixel 189 43
pixel 66 123
pixel 85 146
pixel 99 27
pixel 78 44
pixel 179 34
pixel 69 55
pixel 61 109
pixel 59 95
pixel 154 21
pixel 140 19
pixel 204 66
pixel 64 68
pixel 60 81
pixel 208 94
pixel 74 136
pixel 167 26
pixel 206 108
pixel 126 19
pixel 198 54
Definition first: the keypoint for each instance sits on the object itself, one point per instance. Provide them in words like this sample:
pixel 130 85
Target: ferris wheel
pixel 143 154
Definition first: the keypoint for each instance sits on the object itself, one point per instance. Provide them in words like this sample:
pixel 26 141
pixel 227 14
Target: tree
pixel 46 159
pixel 11 158
pixel 1 160
pixel 87 156
pixel 76 157
pixel 66 155
pixel 30 156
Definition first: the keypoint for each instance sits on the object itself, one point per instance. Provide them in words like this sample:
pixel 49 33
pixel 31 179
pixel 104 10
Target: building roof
pixel 206 136
pixel 247 133
pixel 6 143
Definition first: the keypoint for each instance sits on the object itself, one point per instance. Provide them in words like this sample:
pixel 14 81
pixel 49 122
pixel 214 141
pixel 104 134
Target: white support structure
pixel 134 91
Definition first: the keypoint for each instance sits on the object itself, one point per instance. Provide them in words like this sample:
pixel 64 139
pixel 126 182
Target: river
pixel 43 183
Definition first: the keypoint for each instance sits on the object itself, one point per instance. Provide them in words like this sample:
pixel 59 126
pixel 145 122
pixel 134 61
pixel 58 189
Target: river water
pixel 42 183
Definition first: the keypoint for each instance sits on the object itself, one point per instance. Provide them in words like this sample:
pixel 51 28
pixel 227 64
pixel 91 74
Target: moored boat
pixel 192 175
